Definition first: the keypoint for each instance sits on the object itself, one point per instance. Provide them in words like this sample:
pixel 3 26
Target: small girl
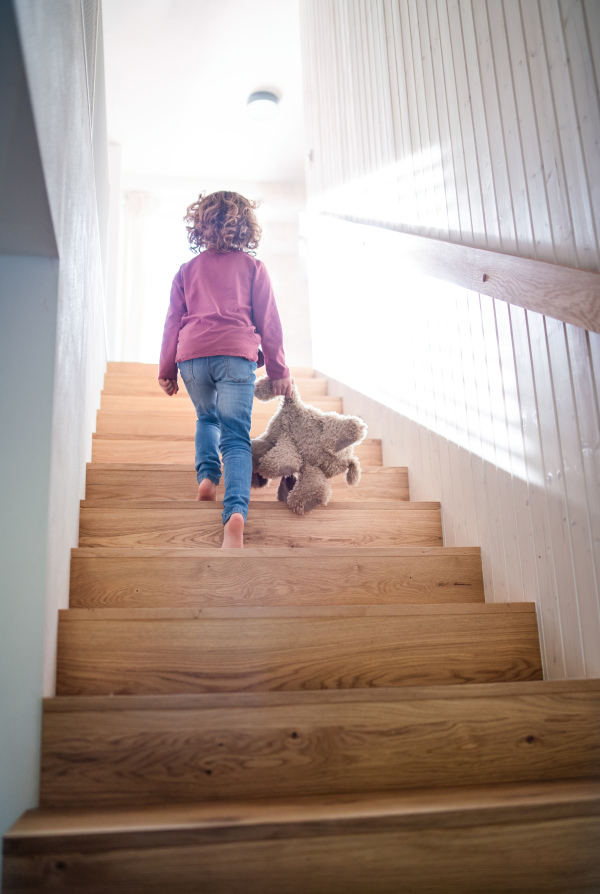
pixel 222 308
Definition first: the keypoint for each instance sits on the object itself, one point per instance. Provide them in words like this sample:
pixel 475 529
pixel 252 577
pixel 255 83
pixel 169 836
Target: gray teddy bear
pixel 304 447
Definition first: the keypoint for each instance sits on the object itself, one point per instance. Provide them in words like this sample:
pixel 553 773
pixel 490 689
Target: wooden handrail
pixel 565 293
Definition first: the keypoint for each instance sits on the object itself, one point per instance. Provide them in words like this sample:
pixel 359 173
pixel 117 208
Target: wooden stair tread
pixel 156 450
pixel 261 507
pixel 307 552
pixel 325 815
pixel 105 577
pixel 147 651
pixel 185 527
pixel 530 689
pixel 163 468
pixel 295 611
pixel 309 389
pixel 181 404
pixel 131 750
pixel 167 482
pixel 188 436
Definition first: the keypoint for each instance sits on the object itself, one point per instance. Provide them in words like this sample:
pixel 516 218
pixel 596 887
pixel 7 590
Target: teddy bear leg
pixel 286 485
pixel 282 460
pixel 311 490
pixel 258 480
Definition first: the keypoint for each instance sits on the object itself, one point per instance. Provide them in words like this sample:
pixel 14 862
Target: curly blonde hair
pixel 221 222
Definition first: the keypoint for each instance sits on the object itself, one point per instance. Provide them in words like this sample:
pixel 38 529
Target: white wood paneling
pixel 475 122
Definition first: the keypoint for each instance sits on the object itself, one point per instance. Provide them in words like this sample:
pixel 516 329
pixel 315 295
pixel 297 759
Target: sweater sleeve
pixel 268 324
pixel 167 367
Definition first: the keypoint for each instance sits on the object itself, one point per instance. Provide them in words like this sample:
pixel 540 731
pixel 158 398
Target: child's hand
pixel 169 386
pixel 283 386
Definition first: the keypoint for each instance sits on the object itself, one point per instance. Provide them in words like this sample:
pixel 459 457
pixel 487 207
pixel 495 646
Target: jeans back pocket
pixel 239 369
pixel 186 370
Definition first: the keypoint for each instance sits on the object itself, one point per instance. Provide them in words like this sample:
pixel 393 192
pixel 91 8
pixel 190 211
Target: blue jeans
pixel 222 391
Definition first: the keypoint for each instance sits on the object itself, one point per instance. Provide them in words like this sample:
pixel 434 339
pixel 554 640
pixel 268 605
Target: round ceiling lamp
pixel 262 105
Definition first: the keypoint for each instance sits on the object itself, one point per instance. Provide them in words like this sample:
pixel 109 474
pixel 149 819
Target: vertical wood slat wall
pixel 479 123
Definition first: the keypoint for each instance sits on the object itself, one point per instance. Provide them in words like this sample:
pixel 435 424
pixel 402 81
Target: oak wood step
pixel 192 524
pixel 147 415
pixel 165 423
pixel 131 750
pixel 161 449
pixel 128 368
pixel 453 840
pixel 239 649
pixel 158 401
pixel 126 481
pixel 181 404
pixel 146 385
pixel 151 578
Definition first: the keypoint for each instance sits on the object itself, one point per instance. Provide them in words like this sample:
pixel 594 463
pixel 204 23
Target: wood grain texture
pixel 204 650
pixel 431 611
pixel 257 848
pixel 119 751
pixel 43 829
pixel 266 510
pixel 154 423
pixel 180 405
pixel 165 527
pixel 295 578
pixel 105 481
pixel 555 857
pixel 156 450
pixel 311 390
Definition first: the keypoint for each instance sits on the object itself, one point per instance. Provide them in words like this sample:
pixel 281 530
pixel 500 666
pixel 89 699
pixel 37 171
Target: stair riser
pixel 155 424
pixel 181 405
pixel 558 856
pixel 155 450
pixel 142 386
pixel 154 582
pixel 341 492
pixel 160 657
pixel 127 756
pixel 375 484
pixel 311 390
pixel 195 528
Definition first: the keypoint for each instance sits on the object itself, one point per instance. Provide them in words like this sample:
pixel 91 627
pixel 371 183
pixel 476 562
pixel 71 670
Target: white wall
pixel 53 47
pixel 475 122
pixel 52 358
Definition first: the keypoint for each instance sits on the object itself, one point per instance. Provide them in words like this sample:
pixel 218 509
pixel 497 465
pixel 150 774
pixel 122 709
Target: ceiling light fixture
pixel 262 105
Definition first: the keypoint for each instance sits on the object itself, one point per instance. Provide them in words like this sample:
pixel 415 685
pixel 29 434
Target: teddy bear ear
pixel 354 432
pixel 340 432
pixel 263 389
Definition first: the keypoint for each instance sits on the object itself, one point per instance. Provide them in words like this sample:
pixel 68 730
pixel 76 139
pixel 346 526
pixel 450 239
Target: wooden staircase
pixel 333 709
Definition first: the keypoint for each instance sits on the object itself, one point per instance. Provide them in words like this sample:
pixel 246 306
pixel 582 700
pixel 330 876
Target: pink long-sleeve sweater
pixel 222 304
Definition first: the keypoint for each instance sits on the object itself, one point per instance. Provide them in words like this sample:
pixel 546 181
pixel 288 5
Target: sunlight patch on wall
pixel 405 193
pixel 386 330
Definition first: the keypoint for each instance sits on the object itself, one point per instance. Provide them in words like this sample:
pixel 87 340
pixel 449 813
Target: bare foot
pixel 233 532
pixel 207 490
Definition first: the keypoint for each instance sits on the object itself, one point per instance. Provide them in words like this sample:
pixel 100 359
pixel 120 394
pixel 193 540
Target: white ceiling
pixel 178 74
